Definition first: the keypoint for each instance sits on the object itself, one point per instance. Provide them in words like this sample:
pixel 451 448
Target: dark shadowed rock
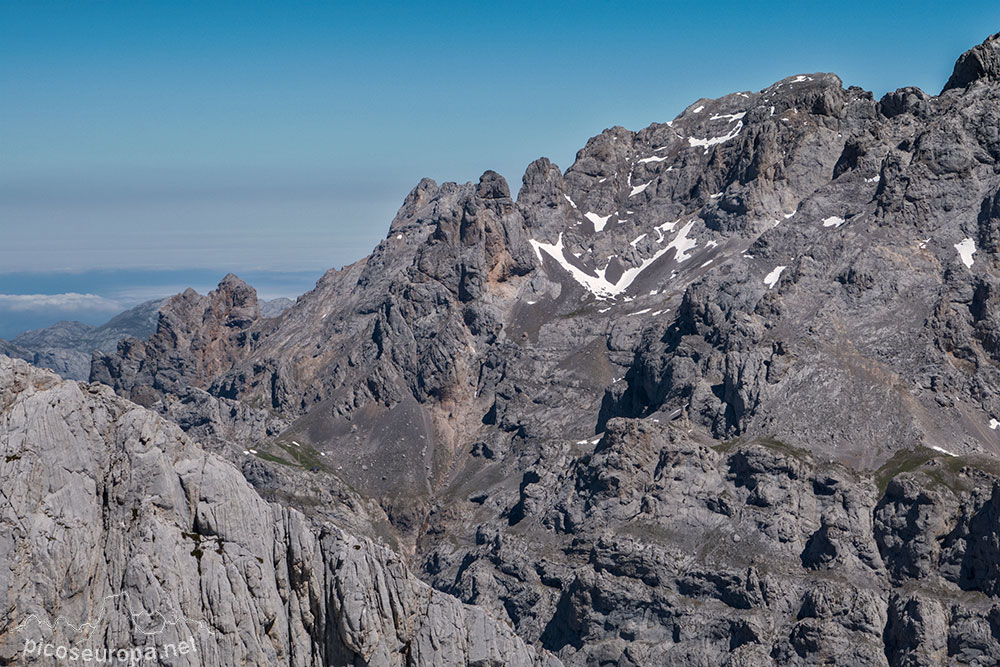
pixel 980 62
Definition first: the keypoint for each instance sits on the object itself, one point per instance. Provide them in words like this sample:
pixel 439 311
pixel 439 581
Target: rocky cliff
pixel 121 533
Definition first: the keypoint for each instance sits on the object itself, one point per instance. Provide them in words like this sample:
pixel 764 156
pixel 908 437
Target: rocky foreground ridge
pixel 723 392
pixel 112 513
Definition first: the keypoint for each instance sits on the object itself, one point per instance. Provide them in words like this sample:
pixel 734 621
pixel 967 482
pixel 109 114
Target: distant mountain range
pixel 67 347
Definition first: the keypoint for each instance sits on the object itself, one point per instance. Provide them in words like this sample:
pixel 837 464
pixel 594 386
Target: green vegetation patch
pixel 945 472
pixel 274 459
pixel 727 446
pixel 303 455
pixel 905 460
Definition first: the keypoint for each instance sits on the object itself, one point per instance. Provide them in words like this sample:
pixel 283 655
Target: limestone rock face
pixel 114 517
pixel 68 347
pixel 196 337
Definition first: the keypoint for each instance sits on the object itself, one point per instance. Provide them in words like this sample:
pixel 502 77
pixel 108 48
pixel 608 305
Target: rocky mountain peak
pixel 235 302
pixel 903 100
pixel 979 62
pixel 492 186
pixel 210 331
pixel 418 198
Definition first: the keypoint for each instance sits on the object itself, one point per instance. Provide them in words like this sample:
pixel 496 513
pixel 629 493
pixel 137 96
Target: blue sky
pixel 149 137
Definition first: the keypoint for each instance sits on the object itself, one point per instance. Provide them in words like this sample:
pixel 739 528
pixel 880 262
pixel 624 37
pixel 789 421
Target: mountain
pixel 275 307
pixel 67 347
pixel 725 391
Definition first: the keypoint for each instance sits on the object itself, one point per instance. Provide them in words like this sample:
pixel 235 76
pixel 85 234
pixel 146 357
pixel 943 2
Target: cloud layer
pixel 67 301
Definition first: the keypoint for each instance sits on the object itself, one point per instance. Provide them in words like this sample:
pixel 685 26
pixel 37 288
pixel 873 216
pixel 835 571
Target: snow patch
pixel 637 239
pixel 943 450
pixel 598 285
pixel 993 424
pixel 571 202
pixel 965 249
pixel 771 279
pixel 833 221
pixel 682 243
pixel 641 312
pixel 653 158
pixel 729 116
pixel 699 109
pixel 639 188
pixel 665 227
pixel 598 220
pixel 712 141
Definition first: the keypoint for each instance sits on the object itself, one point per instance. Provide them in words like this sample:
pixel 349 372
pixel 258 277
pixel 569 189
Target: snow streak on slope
pixel 682 243
pixel 600 286
pixel 599 220
pixel 712 141
pixel 771 279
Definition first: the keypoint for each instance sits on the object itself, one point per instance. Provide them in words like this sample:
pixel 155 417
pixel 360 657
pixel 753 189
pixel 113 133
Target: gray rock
pixel 113 516
pixel 275 307
pixel 67 347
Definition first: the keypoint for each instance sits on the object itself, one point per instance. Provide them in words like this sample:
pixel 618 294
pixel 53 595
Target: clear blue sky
pixel 283 136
